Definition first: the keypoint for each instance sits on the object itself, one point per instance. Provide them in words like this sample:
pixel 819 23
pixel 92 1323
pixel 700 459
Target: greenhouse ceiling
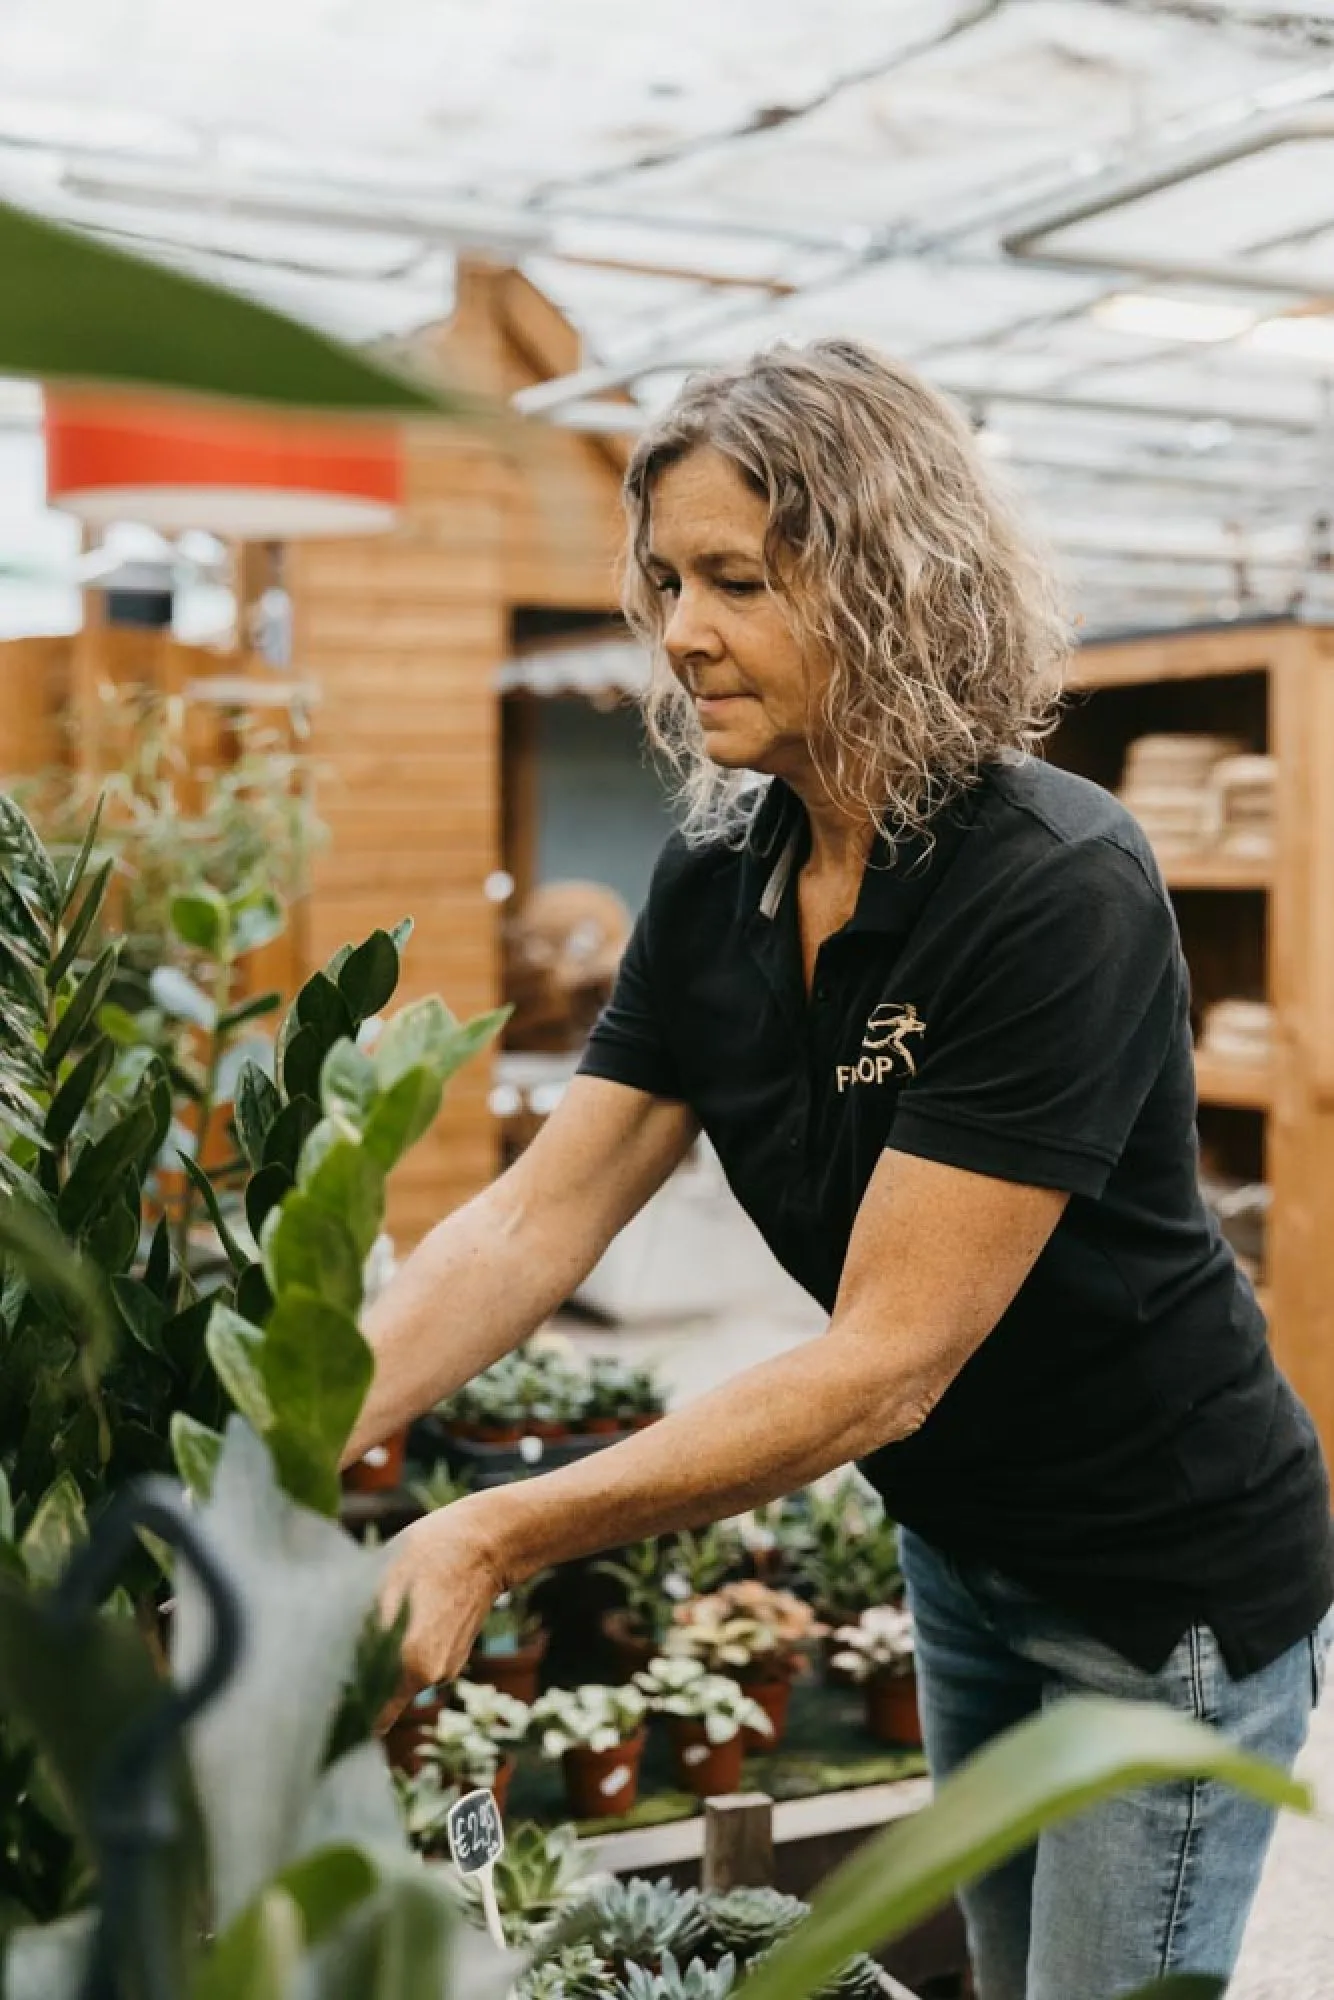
pixel 1107 228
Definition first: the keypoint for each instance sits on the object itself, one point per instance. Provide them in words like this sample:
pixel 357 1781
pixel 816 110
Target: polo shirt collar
pixel 895 885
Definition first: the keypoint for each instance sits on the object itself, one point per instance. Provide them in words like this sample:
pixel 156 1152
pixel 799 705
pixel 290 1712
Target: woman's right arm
pixel 489 1274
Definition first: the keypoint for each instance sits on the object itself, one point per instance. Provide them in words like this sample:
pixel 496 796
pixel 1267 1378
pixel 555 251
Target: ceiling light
pixel 1308 338
pixel 1157 318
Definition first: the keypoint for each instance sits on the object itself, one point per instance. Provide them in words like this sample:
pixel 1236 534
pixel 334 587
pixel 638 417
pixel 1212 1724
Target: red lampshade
pixel 239 473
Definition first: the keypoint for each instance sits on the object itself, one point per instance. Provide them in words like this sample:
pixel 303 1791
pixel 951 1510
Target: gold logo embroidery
pixel 887 1029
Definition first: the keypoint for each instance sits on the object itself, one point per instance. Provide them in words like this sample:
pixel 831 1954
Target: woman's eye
pixel 665 586
pixel 738 586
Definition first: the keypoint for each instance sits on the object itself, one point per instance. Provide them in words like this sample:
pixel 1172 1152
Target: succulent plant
pixel 636 1920
pixel 860 1979
pixel 697 1981
pixel 538 1877
pixel 575 1972
pixel 747 1922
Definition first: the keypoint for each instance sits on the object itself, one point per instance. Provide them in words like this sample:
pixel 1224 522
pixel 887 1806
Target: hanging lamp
pixel 243 474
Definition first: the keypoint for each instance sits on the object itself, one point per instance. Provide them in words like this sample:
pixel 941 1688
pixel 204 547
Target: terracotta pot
pixel 381 1470
pixel 774 1697
pixel 630 1652
pixel 461 1428
pixel 500 1784
pixel 403 1742
pixel 705 1768
pixel 643 1420
pixel 832 1676
pixel 602 1782
pixel 601 1426
pixel 513 1673
pixel 538 1427
pixel 891 1710
pixel 499 1433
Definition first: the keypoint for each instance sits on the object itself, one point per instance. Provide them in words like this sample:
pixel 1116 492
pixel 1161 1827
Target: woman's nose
pixel 690 633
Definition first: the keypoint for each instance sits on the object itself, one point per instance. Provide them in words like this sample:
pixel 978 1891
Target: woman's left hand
pixel 443 1567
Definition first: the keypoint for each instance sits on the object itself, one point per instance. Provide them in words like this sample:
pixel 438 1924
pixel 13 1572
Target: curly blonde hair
pixel 897 562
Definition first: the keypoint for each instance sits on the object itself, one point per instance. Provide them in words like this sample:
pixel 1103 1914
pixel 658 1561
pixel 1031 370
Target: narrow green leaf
pixel 91 1185
pixel 289 1132
pixel 259 1955
pixel 368 976
pixel 79 929
pixel 155 1089
pixel 202 920
pixel 316 1369
pixel 28 934
pixel 321 1006
pixel 74 307
pixel 301 1063
pixel 401 1115
pixel 470 1039
pixel 30 864
pixel 253 1297
pixel 234 1348
pixel 248 1010
pixel 305 1245
pixel 47 1259
pixel 396 1947
pixel 57 1528
pixel 20 978
pixel 111 1240
pixel 71 1100
pixel 142 1311
pixel 327 1885
pixel 400 935
pixel 81 859
pixel 84 1003
pixel 157 1270
pixel 1034 1776
pixel 195 1450
pixel 255 1105
pixel 236 1256
pixel 348 1087
pixel 415 1038
pixel 6 1508
pixel 266 1190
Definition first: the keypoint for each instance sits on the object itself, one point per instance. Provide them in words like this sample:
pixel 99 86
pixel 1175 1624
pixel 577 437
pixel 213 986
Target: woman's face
pixel 726 637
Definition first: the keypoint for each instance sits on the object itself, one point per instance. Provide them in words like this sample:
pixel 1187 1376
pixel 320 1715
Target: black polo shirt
pixel 1009 998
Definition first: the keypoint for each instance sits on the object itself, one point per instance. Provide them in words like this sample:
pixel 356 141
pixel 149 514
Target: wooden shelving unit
pixel 1252 929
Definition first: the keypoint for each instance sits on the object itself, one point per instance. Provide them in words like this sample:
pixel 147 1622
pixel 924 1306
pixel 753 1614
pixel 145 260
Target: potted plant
pixel 440 1488
pixel 877 1652
pixel 748 1922
pixel 597 1733
pixel 424 1800
pixel 512 1643
pixel 755 1633
pixel 541 1875
pixel 575 1972
pixel 645 1399
pixel 470 1740
pixel 555 1396
pixel 611 1395
pixel 708 1713
pixel 495 1402
pixel 847 1558
pixel 672 1981
pixel 652 1588
pixel 636 1921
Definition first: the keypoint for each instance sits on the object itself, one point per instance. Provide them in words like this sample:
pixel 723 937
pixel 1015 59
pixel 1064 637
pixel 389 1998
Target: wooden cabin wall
pixel 403 635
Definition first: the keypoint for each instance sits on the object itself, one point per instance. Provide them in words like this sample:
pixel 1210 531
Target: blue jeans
pixel 1160 1880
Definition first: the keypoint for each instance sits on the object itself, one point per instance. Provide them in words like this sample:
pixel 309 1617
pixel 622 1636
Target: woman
pixel 926 996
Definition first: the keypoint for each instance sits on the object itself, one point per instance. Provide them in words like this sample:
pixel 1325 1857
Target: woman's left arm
pixel 936 1256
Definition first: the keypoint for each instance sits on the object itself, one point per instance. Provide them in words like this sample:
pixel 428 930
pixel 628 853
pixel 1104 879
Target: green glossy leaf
pixel 20 978
pixel 249 1010
pixel 302 1059
pixel 327 1884
pixel 235 1255
pixel 27 932
pixel 142 1311
pixel 265 1191
pixel 97 1171
pixel 71 1100
pixel 157 1270
pixel 202 920
pixel 307 1246
pixel 400 934
pixel 320 1005
pixel 397 1947
pixel 348 1087
pixel 156 1089
pixel 342 1176
pixel 234 1348
pixel 87 997
pixel 58 1527
pixel 21 852
pixel 6 1508
pixel 78 931
pixel 1033 1777
pixel 77 308
pixel 112 1239
pixel 368 976
pixel 316 1369
pixel 289 1133
pixel 85 854
pixel 404 1111
pixel 415 1038
pixel 255 1106
pixel 254 1300
pixel 259 1956
pixel 195 1451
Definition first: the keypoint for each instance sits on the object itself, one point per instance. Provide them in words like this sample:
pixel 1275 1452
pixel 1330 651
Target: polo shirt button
pixel 793 1141
pixel 822 992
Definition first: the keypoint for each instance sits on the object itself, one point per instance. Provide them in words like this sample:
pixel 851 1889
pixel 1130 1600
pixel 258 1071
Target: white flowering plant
pixel 686 1688
pixel 881 1642
pixel 467 1744
pixel 591 1717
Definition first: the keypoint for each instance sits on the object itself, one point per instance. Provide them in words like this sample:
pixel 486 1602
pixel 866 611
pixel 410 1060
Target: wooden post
pixel 738 1842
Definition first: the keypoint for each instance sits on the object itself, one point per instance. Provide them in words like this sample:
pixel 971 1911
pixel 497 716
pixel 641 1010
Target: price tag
pixel 477 1841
